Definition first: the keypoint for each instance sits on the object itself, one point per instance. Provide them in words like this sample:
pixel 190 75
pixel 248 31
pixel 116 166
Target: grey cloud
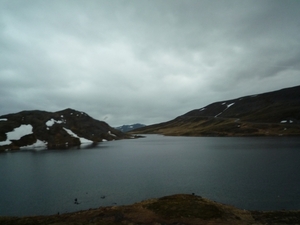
pixel 143 61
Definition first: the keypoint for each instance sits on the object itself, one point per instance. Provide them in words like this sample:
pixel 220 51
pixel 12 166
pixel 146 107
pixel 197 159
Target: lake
pixel 256 173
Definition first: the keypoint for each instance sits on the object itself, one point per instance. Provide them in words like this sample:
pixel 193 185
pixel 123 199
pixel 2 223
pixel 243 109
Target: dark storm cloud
pixel 144 61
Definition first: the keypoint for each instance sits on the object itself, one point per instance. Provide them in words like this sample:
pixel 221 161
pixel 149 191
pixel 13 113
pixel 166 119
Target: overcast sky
pixel 147 61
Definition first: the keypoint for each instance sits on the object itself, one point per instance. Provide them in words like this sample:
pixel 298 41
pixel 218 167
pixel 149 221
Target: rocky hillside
pixel 126 128
pixel 62 129
pixel 274 113
pixel 169 210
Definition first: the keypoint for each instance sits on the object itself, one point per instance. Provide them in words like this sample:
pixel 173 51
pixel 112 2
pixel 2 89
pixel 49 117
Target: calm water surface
pixel 250 173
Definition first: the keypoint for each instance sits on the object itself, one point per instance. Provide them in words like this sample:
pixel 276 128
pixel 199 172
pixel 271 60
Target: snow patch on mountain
pixel 51 122
pixel 17 134
pixel 37 145
pixel 286 121
pixel 111 134
pixel 82 140
pixel 228 106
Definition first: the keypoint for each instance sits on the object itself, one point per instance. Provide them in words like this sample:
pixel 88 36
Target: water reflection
pixel 252 173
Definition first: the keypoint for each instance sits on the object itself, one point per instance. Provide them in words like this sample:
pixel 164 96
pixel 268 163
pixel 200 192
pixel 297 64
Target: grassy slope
pixel 258 115
pixel 220 127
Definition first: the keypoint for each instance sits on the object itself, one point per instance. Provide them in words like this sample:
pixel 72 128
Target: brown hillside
pixel 269 114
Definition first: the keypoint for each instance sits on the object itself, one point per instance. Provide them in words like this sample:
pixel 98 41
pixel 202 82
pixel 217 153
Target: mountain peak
pixel 61 129
pixel 127 128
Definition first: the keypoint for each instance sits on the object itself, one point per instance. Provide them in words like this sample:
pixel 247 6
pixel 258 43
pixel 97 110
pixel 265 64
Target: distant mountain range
pixel 62 129
pixel 126 128
pixel 274 113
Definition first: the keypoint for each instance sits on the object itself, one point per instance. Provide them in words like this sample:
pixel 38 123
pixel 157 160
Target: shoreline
pixel 174 209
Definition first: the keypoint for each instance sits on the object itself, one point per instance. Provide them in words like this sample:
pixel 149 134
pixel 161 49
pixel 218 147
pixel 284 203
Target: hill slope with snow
pixel 274 113
pixel 62 129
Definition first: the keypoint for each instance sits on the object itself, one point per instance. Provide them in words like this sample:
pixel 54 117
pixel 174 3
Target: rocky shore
pixel 178 209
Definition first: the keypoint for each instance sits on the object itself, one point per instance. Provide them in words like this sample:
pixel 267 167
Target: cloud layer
pixel 144 61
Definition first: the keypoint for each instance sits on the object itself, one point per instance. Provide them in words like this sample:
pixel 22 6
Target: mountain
pixel 126 128
pixel 274 113
pixel 62 129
